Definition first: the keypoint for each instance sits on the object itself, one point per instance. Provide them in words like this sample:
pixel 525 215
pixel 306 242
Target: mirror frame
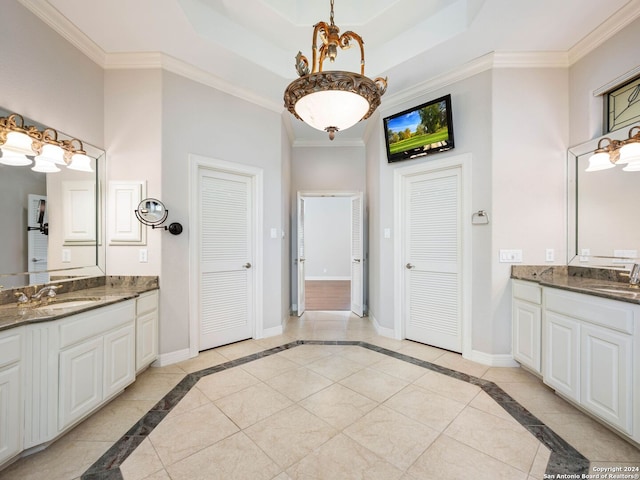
pixel 98 268
pixel 573 255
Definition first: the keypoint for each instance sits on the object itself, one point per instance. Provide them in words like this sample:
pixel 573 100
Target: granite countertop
pixel 74 301
pixel 599 282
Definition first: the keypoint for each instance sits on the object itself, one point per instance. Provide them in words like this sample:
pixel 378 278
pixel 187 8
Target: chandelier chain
pixel 331 16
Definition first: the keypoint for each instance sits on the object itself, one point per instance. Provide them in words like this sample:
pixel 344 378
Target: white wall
pixel 48 80
pixel 327 235
pixel 133 131
pixel 530 139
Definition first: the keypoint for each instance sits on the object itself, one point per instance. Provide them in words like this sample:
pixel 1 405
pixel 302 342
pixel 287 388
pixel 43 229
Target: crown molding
pixel 606 30
pixel 467 70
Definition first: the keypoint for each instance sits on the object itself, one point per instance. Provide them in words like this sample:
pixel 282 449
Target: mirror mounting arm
pixel 152 212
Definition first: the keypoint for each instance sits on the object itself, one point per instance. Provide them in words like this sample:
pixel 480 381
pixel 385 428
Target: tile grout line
pixel 564 458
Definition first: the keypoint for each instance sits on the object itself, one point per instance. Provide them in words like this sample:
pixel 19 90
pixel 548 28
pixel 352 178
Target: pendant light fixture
pixel 332 100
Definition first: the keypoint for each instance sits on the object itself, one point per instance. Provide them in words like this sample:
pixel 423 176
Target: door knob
pixel 247 265
pixel 409 266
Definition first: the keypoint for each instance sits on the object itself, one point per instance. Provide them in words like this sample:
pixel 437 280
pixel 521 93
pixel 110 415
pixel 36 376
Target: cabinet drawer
pixel 600 311
pixel 147 302
pixel 531 292
pixel 90 324
pixel 10 347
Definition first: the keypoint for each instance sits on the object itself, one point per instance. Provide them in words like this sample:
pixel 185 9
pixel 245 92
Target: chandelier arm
pixel 344 45
pixel 323 29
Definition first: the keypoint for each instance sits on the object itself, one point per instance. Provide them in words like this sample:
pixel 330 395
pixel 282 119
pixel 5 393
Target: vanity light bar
pixel 18 142
pixel 617 152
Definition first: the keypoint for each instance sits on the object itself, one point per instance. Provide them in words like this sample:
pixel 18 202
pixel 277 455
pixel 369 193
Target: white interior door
pixel 37 242
pixel 357 257
pixel 300 257
pixel 226 252
pixel 433 252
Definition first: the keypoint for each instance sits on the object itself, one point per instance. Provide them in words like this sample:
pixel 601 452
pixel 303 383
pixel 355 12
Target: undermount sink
pixel 71 303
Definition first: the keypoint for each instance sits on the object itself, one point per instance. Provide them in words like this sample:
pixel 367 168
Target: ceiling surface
pixel 250 45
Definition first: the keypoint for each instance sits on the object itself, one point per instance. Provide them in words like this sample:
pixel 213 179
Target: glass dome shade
pixel 332 108
pixel 45 166
pixel 14 159
pixel 52 153
pixel 18 142
pixel 80 162
pixel 599 161
pixel 630 153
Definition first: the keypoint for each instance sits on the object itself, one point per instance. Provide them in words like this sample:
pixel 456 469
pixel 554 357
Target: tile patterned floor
pixel 330 399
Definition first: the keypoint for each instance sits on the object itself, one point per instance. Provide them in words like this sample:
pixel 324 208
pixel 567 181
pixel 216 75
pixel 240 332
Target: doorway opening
pixel 329 252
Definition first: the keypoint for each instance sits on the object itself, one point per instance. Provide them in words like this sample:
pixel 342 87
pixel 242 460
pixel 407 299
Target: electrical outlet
pixel 142 255
pixel 66 255
pixel 584 254
pixel 550 255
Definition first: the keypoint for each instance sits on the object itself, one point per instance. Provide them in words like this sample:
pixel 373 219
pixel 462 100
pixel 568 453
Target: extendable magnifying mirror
pixel 153 213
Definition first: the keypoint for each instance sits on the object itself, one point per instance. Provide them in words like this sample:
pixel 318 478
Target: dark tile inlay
pixel 564 458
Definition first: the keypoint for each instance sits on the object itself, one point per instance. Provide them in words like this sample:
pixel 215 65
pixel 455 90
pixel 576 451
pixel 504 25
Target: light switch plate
pixel 66 255
pixel 510 256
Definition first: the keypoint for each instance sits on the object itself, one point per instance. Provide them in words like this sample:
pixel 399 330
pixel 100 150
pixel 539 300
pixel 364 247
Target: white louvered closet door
pixel 226 254
pixel 433 259
pixel 357 257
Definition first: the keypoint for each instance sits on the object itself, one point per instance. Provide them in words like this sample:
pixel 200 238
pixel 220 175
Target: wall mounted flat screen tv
pixel 420 131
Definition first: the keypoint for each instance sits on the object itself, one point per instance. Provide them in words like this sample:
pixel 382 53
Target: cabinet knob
pixel 247 265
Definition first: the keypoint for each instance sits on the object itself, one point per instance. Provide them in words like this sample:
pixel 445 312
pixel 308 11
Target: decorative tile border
pixel 564 458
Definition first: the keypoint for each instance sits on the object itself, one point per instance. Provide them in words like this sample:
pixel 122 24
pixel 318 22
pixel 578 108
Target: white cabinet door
pixel 10 412
pixel 146 329
pixel 562 354
pixel 81 379
pixel 606 375
pixel 527 325
pixel 146 339
pixel 119 360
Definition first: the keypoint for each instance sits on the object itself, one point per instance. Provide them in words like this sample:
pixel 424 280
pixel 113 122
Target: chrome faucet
pixel 634 274
pixel 22 298
pixel 49 290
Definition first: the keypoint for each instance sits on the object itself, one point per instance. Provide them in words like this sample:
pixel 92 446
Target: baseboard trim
pixel 272 332
pixel 380 330
pixel 493 360
pixel 170 358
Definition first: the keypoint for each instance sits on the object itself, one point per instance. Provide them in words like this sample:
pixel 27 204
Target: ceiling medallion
pixel 333 100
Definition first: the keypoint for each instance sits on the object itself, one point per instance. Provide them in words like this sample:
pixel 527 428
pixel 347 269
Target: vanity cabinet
pixel 527 323
pixel 591 345
pixel 96 359
pixel 146 329
pixel 11 411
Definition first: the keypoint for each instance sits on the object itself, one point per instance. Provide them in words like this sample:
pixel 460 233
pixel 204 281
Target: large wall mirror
pixel 51 223
pixel 603 226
